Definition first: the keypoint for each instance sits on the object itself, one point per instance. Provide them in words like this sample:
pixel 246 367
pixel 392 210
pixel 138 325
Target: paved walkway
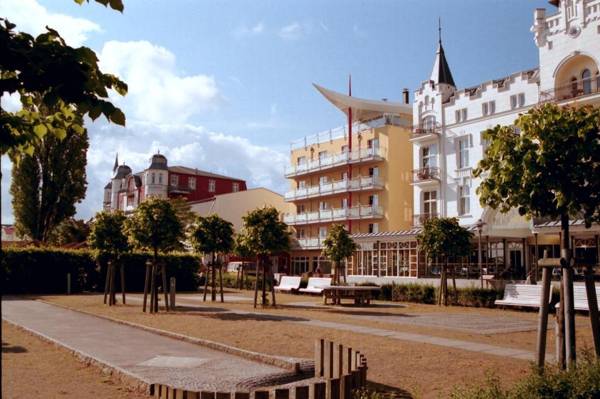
pixel 149 357
pixel 402 336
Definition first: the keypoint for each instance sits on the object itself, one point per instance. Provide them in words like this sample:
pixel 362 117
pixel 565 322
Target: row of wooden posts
pixel 338 372
pixel 563 340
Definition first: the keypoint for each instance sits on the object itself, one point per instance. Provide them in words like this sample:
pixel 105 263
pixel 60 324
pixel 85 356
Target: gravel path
pixel 150 357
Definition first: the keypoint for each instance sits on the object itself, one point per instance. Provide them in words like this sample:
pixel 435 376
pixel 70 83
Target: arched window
pixel 586 79
pixel 428 123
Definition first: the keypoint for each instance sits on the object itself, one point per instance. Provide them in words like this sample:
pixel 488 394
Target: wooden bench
pixel 526 295
pixel 289 284
pixel 316 285
pixel 361 295
pixel 580 297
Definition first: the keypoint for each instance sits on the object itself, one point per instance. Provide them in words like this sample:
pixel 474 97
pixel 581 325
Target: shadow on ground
pixel 368 313
pixel 8 348
pixel 231 316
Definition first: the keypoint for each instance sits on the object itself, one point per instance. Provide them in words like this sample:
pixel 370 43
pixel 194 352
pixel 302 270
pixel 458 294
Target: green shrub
pixel 582 382
pixel 476 297
pixel 424 293
pixel 44 270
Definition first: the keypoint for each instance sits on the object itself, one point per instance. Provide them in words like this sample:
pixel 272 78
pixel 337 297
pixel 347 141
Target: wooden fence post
pixel 301 392
pixel 319 390
pixel 328 363
pixel 319 355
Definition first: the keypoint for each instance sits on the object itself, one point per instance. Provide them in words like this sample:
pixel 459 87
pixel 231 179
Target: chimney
pixel 405 96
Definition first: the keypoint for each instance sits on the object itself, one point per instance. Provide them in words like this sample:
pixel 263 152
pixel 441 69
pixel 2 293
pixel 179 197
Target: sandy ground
pixel 420 370
pixel 32 368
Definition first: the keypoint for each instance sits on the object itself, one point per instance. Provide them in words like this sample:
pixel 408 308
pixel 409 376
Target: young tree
pixel 336 247
pixel 212 235
pixel 47 184
pixel 107 235
pixel 154 226
pixel 265 235
pixel 444 238
pixel 551 168
pixel 242 250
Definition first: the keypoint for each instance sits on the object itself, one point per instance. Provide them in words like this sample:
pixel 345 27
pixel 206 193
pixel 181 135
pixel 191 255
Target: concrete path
pixel 149 357
pixel 402 336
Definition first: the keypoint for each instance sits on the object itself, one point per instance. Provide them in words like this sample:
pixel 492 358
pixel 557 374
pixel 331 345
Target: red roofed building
pixel 126 189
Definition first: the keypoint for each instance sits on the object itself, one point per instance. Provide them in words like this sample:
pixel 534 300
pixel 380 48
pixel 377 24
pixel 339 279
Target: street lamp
pixel 479 225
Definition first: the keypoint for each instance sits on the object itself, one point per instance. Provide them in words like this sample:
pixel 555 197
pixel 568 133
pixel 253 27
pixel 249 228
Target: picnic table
pixel 361 294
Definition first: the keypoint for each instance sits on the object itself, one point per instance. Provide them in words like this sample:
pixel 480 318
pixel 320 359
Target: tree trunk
pixel 221 282
pixel 264 283
pixel 256 281
pixel 445 281
pixel 567 303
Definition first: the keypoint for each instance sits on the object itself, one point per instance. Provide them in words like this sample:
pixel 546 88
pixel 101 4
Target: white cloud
pixel 32 17
pixel 292 31
pixel 158 92
pixel 245 31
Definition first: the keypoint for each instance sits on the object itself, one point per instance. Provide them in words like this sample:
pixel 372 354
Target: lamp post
pixel 479 226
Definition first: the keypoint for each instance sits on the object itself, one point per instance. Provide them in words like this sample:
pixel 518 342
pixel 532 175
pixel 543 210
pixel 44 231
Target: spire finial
pixel 116 165
pixel 440 30
pixel 350 85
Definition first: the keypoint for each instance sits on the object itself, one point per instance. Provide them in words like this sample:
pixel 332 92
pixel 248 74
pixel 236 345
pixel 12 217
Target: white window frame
pixel 462 152
pixel 429 202
pixel 322 232
pixel 192 183
pixel 464 199
pixel 521 98
pixel 429 160
pixel 212 185
pixel 235 187
pixel 513 101
pixel 173 180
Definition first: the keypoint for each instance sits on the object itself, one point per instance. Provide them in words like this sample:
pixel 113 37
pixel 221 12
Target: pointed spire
pixel 116 165
pixel 441 71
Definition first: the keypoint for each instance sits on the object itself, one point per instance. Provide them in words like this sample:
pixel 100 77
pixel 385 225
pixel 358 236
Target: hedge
pixel 44 270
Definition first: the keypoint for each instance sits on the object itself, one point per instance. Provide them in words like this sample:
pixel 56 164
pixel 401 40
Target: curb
pixel 297 366
pixel 120 374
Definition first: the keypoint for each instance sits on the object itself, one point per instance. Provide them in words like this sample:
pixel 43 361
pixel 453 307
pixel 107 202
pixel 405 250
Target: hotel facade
pixel 446 144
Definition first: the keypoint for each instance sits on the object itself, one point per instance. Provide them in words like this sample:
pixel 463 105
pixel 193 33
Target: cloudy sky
pixel 225 85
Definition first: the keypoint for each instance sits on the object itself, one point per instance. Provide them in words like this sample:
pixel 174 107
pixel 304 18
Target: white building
pixel 447 146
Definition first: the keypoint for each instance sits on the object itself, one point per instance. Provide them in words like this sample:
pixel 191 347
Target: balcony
pixel 421 132
pixel 336 187
pixel 426 175
pixel 309 243
pixel 334 161
pixel 578 89
pixel 423 217
pixel 334 215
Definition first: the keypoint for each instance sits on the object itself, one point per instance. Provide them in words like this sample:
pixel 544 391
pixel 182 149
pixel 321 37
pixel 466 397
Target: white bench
pixel 526 295
pixel 288 283
pixel 316 284
pixel 580 297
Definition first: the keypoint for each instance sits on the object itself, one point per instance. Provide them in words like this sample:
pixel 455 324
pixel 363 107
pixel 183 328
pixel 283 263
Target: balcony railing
pixel 423 217
pixel 335 214
pixel 422 131
pixel 575 89
pixel 426 174
pixel 335 160
pixel 336 187
pixel 310 243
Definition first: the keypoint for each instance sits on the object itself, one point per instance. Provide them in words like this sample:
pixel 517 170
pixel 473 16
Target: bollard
pixel 172 289
pixel 68 283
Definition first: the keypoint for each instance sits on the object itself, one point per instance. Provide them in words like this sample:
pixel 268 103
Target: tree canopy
pixel 444 238
pixel 550 167
pixel 337 246
pixel 63 78
pixel 107 233
pixel 264 233
pixel 212 234
pixel 154 225
pixel 47 184
pixel 70 231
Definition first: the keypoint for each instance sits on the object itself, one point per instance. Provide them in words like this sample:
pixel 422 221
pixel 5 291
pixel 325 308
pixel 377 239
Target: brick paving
pixel 150 357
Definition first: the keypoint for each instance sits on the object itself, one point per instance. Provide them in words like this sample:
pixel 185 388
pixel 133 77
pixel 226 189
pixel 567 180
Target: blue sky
pixel 207 76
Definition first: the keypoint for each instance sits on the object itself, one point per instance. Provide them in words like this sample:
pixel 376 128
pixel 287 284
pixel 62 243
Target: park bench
pixel 361 295
pixel 526 295
pixel 580 297
pixel 316 285
pixel 289 283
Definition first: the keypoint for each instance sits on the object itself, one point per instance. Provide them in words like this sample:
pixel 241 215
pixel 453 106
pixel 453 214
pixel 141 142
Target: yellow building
pixel 358 175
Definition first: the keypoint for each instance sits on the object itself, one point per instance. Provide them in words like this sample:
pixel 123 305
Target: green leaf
pixel 60 133
pixel 118 117
pixel 117 5
pixel 40 130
